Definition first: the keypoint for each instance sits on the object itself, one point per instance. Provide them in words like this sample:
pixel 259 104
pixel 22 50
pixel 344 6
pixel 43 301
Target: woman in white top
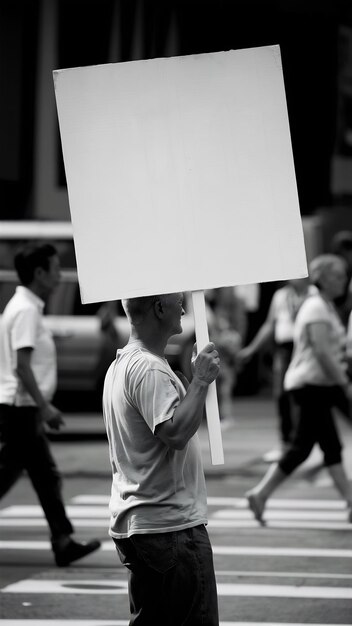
pixel 316 374
pixel 278 326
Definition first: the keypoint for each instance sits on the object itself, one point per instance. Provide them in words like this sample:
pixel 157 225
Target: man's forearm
pixel 26 376
pixel 177 431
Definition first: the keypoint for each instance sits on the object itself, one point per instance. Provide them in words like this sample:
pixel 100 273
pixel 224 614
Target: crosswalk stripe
pixel 103 587
pixel 90 499
pixel 108 546
pixel 262 574
pixel 67 586
pixel 331 516
pixel 98 512
pixel 219 524
pixel 285 591
pixel 15 522
pixel 69 622
pixel 214 524
pixel 283 551
pixel 235 502
pixel 72 511
pixel 121 622
pixel 280 503
pixel 223 551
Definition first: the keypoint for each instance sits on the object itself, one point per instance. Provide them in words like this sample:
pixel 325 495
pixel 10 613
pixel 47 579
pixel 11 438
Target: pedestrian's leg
pixel 46 480
pixel 282 357
pixel 296 454
pixel 10 467
pixel 258 496
pixel 11 459
pixel 329 441
pixel 285 416
pixel 342 484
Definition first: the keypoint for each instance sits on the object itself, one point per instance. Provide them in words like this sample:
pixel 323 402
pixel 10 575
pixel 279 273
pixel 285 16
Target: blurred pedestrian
pixel 110 341
pixel 27 384
pixel 341 245
pixel 317 373
pixel 158 496
pixel 227 328
pixel 278 327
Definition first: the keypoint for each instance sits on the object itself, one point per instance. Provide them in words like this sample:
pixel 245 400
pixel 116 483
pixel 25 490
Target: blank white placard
pixel 180 173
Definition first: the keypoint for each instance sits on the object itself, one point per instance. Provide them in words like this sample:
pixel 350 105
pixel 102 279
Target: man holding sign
pixel 166 148
pixel 158 501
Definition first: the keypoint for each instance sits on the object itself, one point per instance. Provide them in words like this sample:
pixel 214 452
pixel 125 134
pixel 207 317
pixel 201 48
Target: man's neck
pixel 34 288
pixel 150 340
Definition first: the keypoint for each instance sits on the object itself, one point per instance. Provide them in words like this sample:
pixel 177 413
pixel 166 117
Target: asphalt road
pixel 297 570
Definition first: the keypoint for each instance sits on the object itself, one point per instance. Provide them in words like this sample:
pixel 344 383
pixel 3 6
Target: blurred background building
pixel 315 36
pixel 37 36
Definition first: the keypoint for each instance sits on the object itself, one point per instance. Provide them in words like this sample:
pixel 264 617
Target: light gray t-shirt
pixel 154 488
pixel 305 368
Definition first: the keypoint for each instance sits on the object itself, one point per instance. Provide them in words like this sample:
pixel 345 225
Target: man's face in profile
pixel 173 312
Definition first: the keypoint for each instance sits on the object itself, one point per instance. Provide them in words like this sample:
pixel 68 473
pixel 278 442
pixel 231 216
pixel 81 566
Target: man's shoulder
pixel 141 360
pixel 314 305
pixel 19 304
pixel 131 366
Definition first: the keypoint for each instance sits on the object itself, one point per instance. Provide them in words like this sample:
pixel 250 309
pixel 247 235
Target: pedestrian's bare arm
pixel 177 431
pixel 319 337
pixel 263 336
pixel 49 413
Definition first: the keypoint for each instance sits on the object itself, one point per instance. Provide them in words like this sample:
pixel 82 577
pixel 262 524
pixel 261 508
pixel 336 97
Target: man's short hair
pixel 30 257
pixel 137 308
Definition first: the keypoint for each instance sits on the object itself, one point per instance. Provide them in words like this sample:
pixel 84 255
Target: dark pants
pixel 315 424
pixel 24 446
pixel 171 578
pixel 282 357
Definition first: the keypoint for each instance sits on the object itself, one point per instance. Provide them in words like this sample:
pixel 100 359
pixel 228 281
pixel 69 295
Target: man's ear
pixel 158 308
pixel 38 273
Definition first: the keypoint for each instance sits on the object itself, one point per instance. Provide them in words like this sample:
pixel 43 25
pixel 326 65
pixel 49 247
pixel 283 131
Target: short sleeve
pixel 314 310
pixel 156 398
pixel 24 329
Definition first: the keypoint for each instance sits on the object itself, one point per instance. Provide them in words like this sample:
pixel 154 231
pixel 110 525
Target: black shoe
pixel 73 550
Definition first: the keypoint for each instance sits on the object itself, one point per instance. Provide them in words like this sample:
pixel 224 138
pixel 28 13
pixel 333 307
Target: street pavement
pixel 296 570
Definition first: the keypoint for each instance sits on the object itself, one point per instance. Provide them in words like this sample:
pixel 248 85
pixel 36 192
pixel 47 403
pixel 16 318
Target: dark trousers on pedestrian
pixel 315 424
pixel 171 578
pixel 282 357
pixel 24 446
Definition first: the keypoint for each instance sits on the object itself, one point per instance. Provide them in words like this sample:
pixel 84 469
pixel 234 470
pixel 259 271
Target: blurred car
pixel 86 336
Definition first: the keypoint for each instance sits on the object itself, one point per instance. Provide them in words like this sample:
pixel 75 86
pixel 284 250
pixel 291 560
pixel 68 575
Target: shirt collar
pixel 30 295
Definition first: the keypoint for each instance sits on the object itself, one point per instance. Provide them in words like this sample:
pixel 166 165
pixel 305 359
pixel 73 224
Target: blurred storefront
pixel 38 36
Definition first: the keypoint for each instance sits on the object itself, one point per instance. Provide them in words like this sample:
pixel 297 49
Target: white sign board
pixel 180 173
pixel 180 178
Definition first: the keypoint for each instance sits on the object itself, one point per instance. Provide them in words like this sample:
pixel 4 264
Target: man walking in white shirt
pixel 28 376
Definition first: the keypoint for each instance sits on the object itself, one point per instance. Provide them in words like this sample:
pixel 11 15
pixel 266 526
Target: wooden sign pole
pixel 211 405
